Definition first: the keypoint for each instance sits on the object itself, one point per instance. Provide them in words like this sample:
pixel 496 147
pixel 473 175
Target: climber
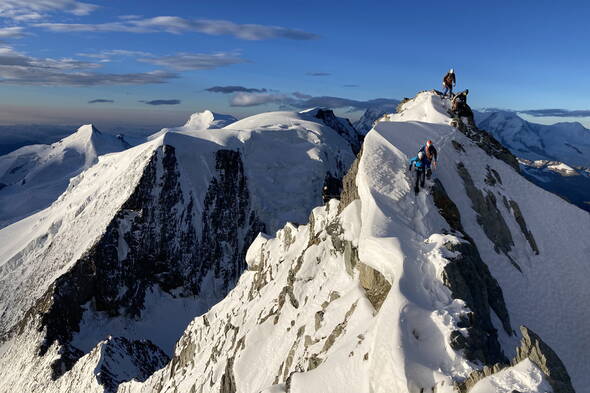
pixel 448 82
pixel 431 155
pixel 459 105
pixel 419 162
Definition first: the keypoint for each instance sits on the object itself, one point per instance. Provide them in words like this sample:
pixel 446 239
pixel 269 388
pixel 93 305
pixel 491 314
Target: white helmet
pixel 451 71
pixel 420 155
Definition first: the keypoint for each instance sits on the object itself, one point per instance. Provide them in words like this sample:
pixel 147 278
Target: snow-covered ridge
pixel 298 320
pixel 384 291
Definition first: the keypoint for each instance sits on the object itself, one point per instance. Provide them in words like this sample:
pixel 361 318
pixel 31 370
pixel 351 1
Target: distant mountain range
pixel 555 157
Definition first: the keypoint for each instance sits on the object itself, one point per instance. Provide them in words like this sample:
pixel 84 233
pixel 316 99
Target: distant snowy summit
pixel 205 120
pixel 208 120
pixel 33 176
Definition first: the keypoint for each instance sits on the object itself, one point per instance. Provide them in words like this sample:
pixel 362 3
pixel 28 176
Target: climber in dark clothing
pixel 459 105
pixel 431 156
pixel 448 82
pixel 419 163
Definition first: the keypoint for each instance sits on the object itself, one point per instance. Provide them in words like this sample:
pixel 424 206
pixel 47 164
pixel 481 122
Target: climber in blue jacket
pixel 420 162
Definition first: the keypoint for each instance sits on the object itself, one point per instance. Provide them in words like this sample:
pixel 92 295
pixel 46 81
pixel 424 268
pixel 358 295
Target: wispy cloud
pixel 161 102
pixel 302 101
pixel 178 25
pixel 234 89
pixel 19 69
pixel 350 85
pixel 318 74
pixel 194 61
pixel 101 101
pixel 557 113
pixel 27 10
pixel 108 54
pixel 11 32
pixel 249 99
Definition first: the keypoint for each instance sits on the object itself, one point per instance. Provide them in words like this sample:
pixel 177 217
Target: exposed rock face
pixel 540 354
pixel 532 347
pixel 487 142
pixel 122 360
pixel 229 224
pixel 489 217
pixel 375 284
pixel 469 279
pixel 349 189
pixel 161 247
pixel 512 205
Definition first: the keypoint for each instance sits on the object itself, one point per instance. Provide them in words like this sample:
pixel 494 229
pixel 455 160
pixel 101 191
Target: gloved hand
pixel 433 164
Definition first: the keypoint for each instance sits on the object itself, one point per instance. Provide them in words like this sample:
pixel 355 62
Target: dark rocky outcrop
pixel 446 207
pixel 533 348
pixel 492 177
pixel 539 353
pixel 486 142
pixel 332 187
pixel 488 215
pixel 141 359
pixel 375 285
pixel 513 206
pixel 349 190
pixel 157 223
pixel 470 279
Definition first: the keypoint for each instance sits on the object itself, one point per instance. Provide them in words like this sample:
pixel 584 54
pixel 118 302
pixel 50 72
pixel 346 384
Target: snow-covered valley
pixel 203 260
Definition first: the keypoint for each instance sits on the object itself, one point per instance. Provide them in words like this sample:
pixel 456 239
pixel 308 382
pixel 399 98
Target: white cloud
pixel 26 10
pixel 108 54
pixel 302 101
pixel 194 61
pixel 11 32
pixel 254 99
pixel 19 69
pixel 178 25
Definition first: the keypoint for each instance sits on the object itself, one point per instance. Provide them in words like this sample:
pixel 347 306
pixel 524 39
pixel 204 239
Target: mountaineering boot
pixel 428 173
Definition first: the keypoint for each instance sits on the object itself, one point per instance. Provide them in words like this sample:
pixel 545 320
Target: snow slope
pixel 32 177
pixel 179 193
pixel 364 300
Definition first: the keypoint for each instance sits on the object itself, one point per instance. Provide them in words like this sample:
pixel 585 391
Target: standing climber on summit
pixel 448 82
pixel 419 163
pixel 431 156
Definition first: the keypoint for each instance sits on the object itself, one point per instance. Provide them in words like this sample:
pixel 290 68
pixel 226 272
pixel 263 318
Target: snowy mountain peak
pixel 88 129
pixel 208 120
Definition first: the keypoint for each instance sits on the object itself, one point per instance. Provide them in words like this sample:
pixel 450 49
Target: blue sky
pixel 58 55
